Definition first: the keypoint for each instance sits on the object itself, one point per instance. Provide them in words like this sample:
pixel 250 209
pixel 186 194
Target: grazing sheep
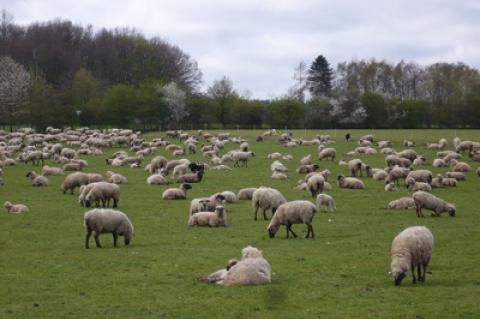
pixel 157 163
pixel 428 201
pixel 102 221
pixel 391 187
pixel 402 203
pixel 307 160
pixel 47 170
pixel 411 249
pixel 190 178
pixel 246 193
pixel 315 184
pixel 37 180
pixel 157 179
pixel 327 153
pixel 350 182
pixel 210 219
pixel 394 159
pixel 15 209
pixel 305 169
pixel 206 204
pixel 295 212
pixel 115 178
pixel 253 269
pixel 279 176
pixel 242 157
pixel 36 157
pixel 102 192
pixel 266 198
pixel 414 186
pixel 459 176
pixel 74 180
pixel 327 200
pixel 396 174
pixel 244 147
pixel 177 193
pixel 410 154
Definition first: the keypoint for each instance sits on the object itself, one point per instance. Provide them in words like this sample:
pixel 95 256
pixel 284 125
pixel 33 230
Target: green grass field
pixel 47 273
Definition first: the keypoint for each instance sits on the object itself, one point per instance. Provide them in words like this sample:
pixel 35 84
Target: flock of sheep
pixel 411 249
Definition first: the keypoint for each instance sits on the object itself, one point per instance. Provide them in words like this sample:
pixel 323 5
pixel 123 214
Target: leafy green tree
pixel 288 113
pixel 376 108
pixel 120 104
pixel 223 94
pixel 320 77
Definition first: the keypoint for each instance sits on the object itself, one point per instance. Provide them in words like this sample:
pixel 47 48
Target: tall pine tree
pixel 320 77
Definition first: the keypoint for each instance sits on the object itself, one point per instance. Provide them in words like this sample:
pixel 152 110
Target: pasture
pixel 47 273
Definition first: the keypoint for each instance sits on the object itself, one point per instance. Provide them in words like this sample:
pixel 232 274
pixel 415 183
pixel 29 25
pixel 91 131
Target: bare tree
pixel 174 97
pixel 300 75
pixel 14 83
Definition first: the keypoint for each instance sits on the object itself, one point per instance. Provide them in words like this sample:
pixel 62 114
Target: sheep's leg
pixel 265 214
pixel 115 201
pixel 289 227
pixel 353 172
pixel 71 190
pixel 97 240
pixel 235 164
pixel 414 280
pixel 115 237
pixel 256 210
pixel 87 238
pixel 420 273
pixel 286 227
pixel 310 231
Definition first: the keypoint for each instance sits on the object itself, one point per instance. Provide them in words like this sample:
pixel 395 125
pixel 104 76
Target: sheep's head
pixel 272 230
pixel 220 210
pixel 186 186
pixel 341 177
pixel 231 263
pixel 451 210
pixel 251 252
pixel 399 271
pixel 7 205
pixel 29 174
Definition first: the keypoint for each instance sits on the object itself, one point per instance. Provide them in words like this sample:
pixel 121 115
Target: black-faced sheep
pixel 350 182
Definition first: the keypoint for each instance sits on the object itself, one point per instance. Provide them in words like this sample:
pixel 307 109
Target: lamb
pixel 190 178
pixel 459 176
pixel 402 203
pixel 295 212
pixel 206 204
pixel 315 184
pixel 411 249
pixel 47 170
pixel 350 182
pixel 102 221
pixel 355 166
pixel 157 179
pixel 437 205
pixel 103 192
pixel 15 209
pixel 305 169
pixel 253 269
pixel 279 176
pixel 242 157
pixel 327 153
pixel 327 200
pixel 37 180
pixel 391 187
pixel 115 178
pixel 74 180
pixel 177 193
pixel 266 198
pixel 414 186
pixel 210 219
pixel 246 193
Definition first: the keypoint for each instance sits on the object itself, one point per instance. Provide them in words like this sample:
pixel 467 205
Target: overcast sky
pixel 257 43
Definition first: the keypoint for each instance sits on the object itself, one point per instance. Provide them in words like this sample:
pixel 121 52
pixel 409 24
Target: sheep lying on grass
pixel 115 178
pixel 266 198
pixel 210 219
pixel 37 180
pixel 402 203
pixel 47 170
pixel 102 221
pixel 218 276
pixel 177 193
pixel 157 179
pixel 437 205
pixel 391 187
pixel 206 204
pixel 295 212
pixel 15 209
pixel 411 249
pixel 350 182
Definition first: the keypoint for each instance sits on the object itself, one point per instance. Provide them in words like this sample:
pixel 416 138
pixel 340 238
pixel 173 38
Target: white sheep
pixel 74 180
pixel 181 169
pixel 115 178
pixel 190 178
pixel 294 212
pixel 15 208
pixel 307 160
pixel 266 198
pixel 47 170
pixel 102 221
pixel 206 204
pixel 278 166
pixel 279 176
pixel 402 203
pixel 326 200
pixel 177 193
pixel 411 249
pixel 391 187
pixel 103 192
pixel 246 193
pixel 242 157
pixel 355 166
pixel 218 276
pixel 37 180
pixel 210 219
pixel 350 182
pixel 327 153
pixel 315 184
pixel 157 179
pixel 437 205
pixel 229 196
pixel 459 176
pixel 306 169
pixel 421 175
pixel 414 186
pixel 252 269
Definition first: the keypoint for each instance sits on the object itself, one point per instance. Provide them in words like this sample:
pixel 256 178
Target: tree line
pixel 61 74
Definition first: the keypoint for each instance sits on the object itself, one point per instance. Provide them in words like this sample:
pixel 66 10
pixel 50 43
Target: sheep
pixel 229 196
pixel 103 192
pixel 419 161
pixel 459 176
pixel 350 182
pixel 246 193
pixel 460 166
pixel 157 163
pixel 408 143
pixel 68 153
pixel 244 147
pixel 102 221
pixel 221 168
pixel 294 212
pixel 414 186
pixel 396 174
pixel 279 176
pixel 437 146
pixel 402 203
pixel 253 269
pixel 307 160
pixel 274 156
pixel 210 219
pixel 305 169
pixel 170 165
pixel 412 248
pixel 437 205
pixel 266 198
pixel 47 170
pixel 421 175
pixel 15 209
pixel 376 174
pixel 278 166
pixel 157 179
pixel 74 180
pixel 437 182
pixel 327 153
pixel 439 162
pixel 37 180
pixel 218 276
pixel 355 166
pixel 242 157
pixel 177 193
pixel 327 200
pixel 115 178
pixel 393 159
pixel 391 187
pixel 315 184
pixel 94 178
pixel 449 182
pixel 181 169
pixel 206 204
pixel 36 157
pixel 190 178
pixel 196 167
pixel 410 154
pixel 75 167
